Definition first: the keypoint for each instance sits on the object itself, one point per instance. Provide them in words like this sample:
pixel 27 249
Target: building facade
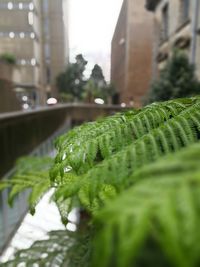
pixel 176 26
pixel 55 42
pixel 131 56
pixel 33 32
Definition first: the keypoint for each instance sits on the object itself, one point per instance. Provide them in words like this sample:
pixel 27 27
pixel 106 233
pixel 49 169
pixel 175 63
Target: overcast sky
pixel 91 27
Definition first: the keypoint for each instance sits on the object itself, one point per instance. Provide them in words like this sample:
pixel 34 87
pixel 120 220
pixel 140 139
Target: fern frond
pixel 169 137
pixel 31 173
pixel 91 148
pixel 90 129
pixel 64 207
pixel 149 155
pixel 37 193
pixel 163 207
pixel 4 185
pixel 30 163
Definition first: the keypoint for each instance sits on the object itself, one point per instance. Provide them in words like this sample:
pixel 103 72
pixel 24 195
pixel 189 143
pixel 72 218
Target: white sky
pixel 91 27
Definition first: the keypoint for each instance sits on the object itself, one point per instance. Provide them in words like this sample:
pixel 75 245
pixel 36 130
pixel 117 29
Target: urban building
pixel 33 32
pixel 55 41
pixel 131 55
pixel 176 26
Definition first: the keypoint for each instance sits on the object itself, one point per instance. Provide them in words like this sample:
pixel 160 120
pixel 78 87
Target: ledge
pixel 15 114
pixel 183 25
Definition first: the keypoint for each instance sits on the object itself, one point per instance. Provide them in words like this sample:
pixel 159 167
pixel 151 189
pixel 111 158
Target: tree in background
pixel 95 86
pixel 71 82
pixel 176 80
pixel 111 92
pixel 8 58
pixel 90 91
pixel 73 85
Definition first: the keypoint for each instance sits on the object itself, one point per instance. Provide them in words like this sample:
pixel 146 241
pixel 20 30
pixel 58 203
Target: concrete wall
pixel 131 66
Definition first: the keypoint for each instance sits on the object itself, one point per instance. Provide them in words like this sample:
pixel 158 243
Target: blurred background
pixel 40 42
pixel 82 51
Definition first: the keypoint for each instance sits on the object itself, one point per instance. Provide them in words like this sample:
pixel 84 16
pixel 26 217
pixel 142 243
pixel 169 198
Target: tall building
pixel 177 26
pixel 131 55
pixel 55 41
pixel 33 31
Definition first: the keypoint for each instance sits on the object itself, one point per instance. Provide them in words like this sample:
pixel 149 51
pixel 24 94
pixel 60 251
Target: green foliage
pixel 91 91
pixel 88 146
pixel 31 173
pixel 73 85
pixel 71 81
pixel 136 175
pixel 66 98
pixel 113 173
pixel 8 58
pixel 79 135
pixel 97 76
pixel 96 87
pixel 110 90
pixel 177 79
pixel 161 212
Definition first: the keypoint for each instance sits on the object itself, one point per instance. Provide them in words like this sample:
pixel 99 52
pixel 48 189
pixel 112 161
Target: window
pixel 12 35
pixel 10 5
pixel 184 10
pixel 13 5
pixel 20 5
pixel 30 18
pixel 32 35
pixel 31 6
pixel 165 22
pixel 33 61
pixel 21 35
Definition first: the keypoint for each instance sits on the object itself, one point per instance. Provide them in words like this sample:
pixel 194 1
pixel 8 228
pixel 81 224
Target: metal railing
pixel 10 218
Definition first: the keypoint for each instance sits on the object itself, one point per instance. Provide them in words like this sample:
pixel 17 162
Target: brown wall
pixel 133 75
pixel 118 48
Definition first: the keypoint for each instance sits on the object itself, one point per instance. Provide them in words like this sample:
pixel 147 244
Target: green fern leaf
pixel 37 193
pixel 163 206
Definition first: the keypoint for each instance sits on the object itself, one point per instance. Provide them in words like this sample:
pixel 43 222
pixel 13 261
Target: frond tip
pixel 31 173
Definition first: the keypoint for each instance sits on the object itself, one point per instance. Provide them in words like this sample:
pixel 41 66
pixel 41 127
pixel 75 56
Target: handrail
pixel 10 218
pixel 9 115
